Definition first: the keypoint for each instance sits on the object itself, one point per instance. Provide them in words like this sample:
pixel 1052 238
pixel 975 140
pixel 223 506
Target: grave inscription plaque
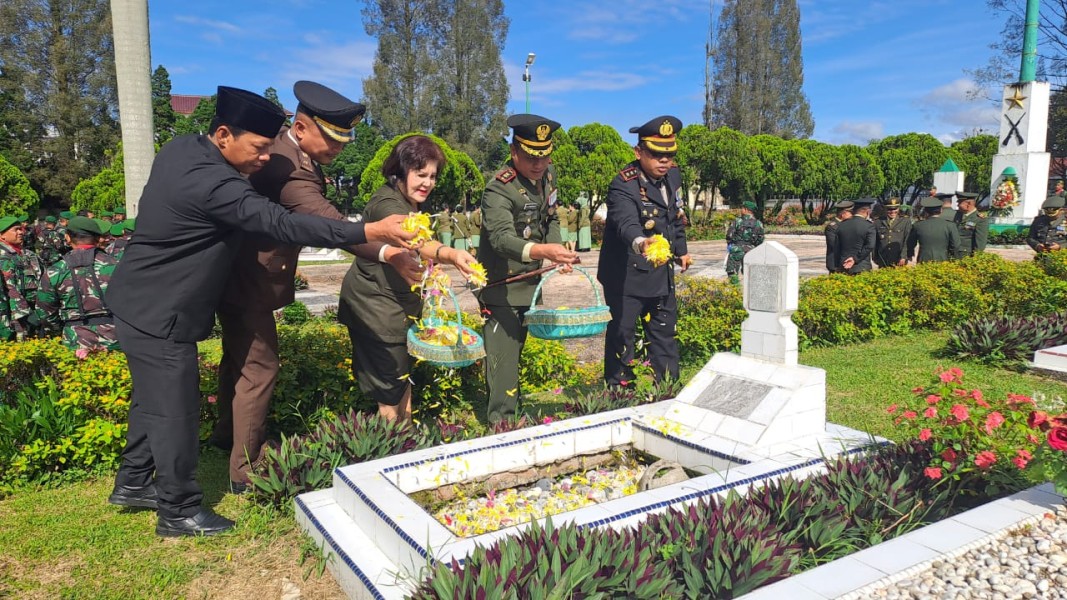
pixel 765 288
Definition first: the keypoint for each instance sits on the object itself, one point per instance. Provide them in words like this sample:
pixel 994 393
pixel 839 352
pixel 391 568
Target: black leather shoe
pixel 239 487
pixel 205 522
pixel 135 497
pixel 224 444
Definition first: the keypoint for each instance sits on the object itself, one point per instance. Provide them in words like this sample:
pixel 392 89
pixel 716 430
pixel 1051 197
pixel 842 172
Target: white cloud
pixel 208 23
pixel 857 132
pixel 625 21
pixel 953 106
pixel 342 66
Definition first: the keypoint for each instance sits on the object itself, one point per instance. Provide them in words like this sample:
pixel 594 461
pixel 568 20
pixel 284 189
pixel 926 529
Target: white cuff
pixel 526 252
pixel 381 253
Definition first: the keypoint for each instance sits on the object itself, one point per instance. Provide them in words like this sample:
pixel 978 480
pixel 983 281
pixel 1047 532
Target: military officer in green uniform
pixel 844 213
pixel 585 225
pixel 520 229
pixel 476 229
pixel 892 233
pixel 947 212
pixel 461 228
pixel 972 224
pixel 442 225
pixel 744 234
pixel 937 238
pixel 1048 231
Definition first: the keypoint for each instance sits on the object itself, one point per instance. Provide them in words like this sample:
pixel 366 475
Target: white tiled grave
pixel 1051 359
pixel 380 541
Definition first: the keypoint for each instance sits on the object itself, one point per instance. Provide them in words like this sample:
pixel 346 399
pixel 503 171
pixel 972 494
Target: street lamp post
pixel 526 77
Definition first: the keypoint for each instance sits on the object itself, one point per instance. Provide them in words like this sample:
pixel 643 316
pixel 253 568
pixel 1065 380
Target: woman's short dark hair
pixel 412 153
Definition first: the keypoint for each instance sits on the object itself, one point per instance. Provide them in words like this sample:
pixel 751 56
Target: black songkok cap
pixel 336 115
pixel 659 134
pixel 533 133
pixel 249 111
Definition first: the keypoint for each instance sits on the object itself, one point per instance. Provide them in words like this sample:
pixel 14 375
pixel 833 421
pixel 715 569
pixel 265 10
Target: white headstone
pixel 771 295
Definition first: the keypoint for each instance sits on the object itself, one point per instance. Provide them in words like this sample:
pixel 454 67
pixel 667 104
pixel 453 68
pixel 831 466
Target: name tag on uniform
pixel 552 198
pixel 530 206
pixel 969 225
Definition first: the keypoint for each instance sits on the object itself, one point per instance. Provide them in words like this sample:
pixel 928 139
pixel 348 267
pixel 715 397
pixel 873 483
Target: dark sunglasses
pixel 660 155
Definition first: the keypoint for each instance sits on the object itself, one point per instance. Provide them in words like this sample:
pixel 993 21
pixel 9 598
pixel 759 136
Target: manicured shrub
pixel 1053 263
pixel 296 313
pixel 710 313
pixel 1007 341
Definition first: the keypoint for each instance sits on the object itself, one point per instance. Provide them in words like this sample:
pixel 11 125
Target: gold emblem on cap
pixel 666 129
pixel 542 132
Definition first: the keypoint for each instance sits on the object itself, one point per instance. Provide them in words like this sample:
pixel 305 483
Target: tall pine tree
pixel 758 71
pixel 163 115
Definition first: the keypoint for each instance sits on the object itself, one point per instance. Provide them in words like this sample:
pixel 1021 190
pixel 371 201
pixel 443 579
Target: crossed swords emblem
pixel 1014 130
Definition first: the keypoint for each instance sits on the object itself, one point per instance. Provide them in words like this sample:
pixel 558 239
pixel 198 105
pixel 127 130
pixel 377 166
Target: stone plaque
pixel 732 396
pixel 764 288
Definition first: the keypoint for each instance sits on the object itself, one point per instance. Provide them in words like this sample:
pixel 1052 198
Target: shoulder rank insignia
pixel 981 215
pixel 507 175
pixel 630 173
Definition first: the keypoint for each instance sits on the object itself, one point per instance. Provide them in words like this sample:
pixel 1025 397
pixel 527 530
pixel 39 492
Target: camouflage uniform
pixel 72 297
pixel 17 316
pixel 53 246
pixel 744 234
pixel 117 247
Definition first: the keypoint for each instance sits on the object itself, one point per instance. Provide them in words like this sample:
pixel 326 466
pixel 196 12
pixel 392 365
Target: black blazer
pixel 190 223
pixel 634 202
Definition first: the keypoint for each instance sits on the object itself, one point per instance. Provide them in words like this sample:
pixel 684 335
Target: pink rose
pixel 1057 438
pixel 930 413
pixel 892 408
pixel 933 399
pixel 993 420
pixel 211 399
pixel 948 454
pixel 932 472
pixel 910 414
pixel 985 459
pixel 1037 419
pixel 960 412
pixel 81 353
pixel 547 420
pixel 925 434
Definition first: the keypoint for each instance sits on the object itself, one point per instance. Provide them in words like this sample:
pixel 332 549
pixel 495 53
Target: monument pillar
pixel 129 22
pixel 1023 131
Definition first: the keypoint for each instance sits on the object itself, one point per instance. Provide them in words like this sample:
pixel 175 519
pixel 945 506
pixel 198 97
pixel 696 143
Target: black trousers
pixel 660 329
pixel 164 418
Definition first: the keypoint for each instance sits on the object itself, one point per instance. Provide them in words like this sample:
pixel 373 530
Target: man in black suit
pixel 856 238
pixel 645 199
pixel 193 212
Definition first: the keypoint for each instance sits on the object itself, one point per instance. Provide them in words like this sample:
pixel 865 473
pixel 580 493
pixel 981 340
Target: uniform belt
pixel 90 321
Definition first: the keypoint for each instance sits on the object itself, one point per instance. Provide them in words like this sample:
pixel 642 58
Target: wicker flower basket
pixel 567 323
pixel 453 356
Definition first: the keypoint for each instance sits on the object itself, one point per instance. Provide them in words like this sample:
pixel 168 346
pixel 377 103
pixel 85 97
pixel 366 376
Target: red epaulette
pixel 629 173
pixel 507 175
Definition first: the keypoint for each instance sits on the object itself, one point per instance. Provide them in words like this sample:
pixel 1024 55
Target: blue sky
pixel 872 69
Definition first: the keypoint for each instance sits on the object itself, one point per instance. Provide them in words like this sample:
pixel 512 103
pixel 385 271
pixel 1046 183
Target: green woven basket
pixel 455 356
pixel 567 323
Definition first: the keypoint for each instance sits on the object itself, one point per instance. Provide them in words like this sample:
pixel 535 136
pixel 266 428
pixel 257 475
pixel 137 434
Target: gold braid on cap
pixel 542 148
pixel 660 144
pixel 341 134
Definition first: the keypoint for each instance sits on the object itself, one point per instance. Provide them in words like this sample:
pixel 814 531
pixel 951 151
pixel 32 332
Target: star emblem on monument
pixel 1016 99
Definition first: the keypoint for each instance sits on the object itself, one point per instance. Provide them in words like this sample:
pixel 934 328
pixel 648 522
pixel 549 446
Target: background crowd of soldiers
pixel 54 273
pixel 865 231
pixel 461 228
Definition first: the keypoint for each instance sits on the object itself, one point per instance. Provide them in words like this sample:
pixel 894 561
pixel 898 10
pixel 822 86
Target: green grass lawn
pixel 67 542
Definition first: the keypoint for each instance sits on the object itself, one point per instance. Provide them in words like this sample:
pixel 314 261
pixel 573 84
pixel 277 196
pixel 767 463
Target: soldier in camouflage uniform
pixel 744 234
pixel 18 319
pixel 46 249
pixel 72 295
pixel 120 233
pixel 32 266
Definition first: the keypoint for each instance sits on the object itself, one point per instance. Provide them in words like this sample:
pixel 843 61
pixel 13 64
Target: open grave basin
pixel 383 539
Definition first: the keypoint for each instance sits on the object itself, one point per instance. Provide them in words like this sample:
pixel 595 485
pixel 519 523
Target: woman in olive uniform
pixel 377 304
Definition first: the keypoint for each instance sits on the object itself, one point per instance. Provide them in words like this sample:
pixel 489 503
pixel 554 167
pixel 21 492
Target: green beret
pixel 930 202
pixel 66 214
pixel 7 223
pixel 749 205
pixel 107 213
pixel 105 226
pixel 117 229
pixel 120 211
pixel 50 219
pixel 130 224
pixel 24 218
pixel 1053 201
pixel 84 225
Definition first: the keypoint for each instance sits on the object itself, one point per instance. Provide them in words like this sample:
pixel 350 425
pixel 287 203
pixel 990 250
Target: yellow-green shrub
pixel 710 313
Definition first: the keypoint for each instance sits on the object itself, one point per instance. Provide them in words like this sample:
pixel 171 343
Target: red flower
pixel 925 434
pixel 1037 420
pixel 930 412
pixel 892 408
pixel 951 375
pixel 1057 438
pixel 932 472
pixel 917 390
pixel 993 420
pixel 1033 438
pixel 1020 399
pixel 1022 457
pixel 985 459
pixel 949 455
pixel 960 412
pixel 910 414
pixel 933 399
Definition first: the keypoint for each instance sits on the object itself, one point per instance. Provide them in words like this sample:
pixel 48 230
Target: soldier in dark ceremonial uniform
pixel 856 239
pixel 1048 231
pixel 937 238
pixel 645 199
pixel 830 232
pixel 892 233
pixel 71 296
pixel 194 211
pixel 973 225
pixel 519 230
pixel 744 234
pixel 261 279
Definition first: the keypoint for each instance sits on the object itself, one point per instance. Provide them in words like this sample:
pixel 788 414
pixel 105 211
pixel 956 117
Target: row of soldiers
pixel 56 283
pixel 462 229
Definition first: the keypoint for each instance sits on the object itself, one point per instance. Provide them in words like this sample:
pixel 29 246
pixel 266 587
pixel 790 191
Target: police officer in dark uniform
pixel 892 233
pixel 937 238
pixel 645 199
pixel 973 225
pixel 855 239
pixel 520 229
pixel 1048 231
pixel 844 213
pixel 193 212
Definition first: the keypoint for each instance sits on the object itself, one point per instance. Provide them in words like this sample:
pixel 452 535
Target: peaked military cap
pixel 966 196
pixel 893 202
pixel 84 225
pixel 249 111
pixel 336 115
pixel 941 196
pixel 845 205
pixel 659 134
pixel 865 202
pixel 1053 201
pixel 50 219
pixel 533 133
pixel 66 214
pixel 931 202
pixel 7 223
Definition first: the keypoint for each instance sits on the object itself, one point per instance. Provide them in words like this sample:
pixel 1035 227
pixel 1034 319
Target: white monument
pixel 949 178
